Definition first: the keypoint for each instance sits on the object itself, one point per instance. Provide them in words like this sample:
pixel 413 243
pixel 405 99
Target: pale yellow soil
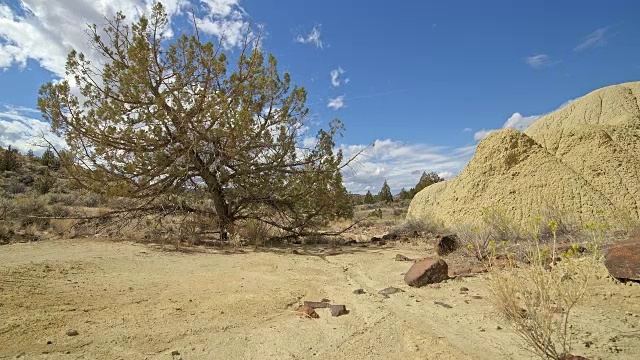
pixel 578 164
pixel 131 301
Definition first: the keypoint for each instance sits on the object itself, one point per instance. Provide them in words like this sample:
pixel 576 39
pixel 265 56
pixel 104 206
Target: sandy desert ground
pixel 134 301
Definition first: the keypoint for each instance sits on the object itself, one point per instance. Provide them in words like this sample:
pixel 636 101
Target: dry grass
pixel 538 299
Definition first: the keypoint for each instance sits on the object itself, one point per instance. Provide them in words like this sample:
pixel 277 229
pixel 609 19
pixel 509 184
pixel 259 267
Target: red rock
pixel 317 304
pixel 623 260
pixel 337 310
pixel 305 310
pixel 427 271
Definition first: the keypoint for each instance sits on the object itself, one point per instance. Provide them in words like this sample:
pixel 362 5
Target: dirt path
pixel 130 301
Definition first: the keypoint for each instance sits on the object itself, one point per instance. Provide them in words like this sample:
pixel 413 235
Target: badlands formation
pixel 581 162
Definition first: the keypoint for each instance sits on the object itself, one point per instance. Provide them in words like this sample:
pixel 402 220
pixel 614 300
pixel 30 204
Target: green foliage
pixel 404 194
pixel 9 160
pixel 385 193
pixel 368 198
pixel 44 183
pixel 376 213
pixel 168 116
pixel 425 180
pixel 49 159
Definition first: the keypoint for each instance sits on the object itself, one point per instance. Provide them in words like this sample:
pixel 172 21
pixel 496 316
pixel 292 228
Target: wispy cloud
pixel 313 37
pixel 22 131
pixel 595 39
pixel 467 129
pixel 400 163
pixel 516 121
pixel 336 103
pixel 539 61
pixel 46 31
pixel 335 77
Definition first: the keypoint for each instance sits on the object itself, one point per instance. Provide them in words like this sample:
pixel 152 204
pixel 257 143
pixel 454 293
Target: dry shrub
pixel 478 241
pixel 6 231
pixel 538 304
pixel 7 208
pixel 423 225
pixel 538 300
pixel 67 228
pixel 500 225
pixel 27 207
pixel 255 232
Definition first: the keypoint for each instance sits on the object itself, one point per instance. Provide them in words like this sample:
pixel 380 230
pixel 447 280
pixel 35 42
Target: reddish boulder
pixel 427 271
pixel 623 260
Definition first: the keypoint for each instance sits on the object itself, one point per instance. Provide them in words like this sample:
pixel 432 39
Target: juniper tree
pixel 426 179
pixel 164 116
pixel 368 198
pixel 385 193
pixel 9 160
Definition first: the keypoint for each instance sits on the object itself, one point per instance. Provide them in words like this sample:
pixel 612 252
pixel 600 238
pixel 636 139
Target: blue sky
pixel 423 80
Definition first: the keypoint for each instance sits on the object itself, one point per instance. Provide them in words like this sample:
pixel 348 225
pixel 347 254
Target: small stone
pixel 446 306
pixel 175 353
pixel 359 291
pixel 316 304
pixel 464 289
pixel 498 327
pixel 390 290
pixel 307 311
pixel 400 257
pixel 338 310
pixel 49 342
pixel 72 332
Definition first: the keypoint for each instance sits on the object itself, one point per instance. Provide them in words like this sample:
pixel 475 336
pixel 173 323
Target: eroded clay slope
pixel 582 161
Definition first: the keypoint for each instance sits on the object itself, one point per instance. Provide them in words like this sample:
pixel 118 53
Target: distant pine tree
pixel 404 194
pixel 425 180
pixel 9 160
pixel 385 193
pixel 368 199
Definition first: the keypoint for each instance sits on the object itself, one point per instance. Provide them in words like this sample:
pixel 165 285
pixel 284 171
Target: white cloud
pixel 519 122
pixel 226 20
pixel 467 129
pixel 399 163
pixel 595 39
pixel 46 31
pixel 336 103
pixel 515 121
pixel 335 77
pixel 312 38
pixel 481 134
pixel 21 131
pixel 540 60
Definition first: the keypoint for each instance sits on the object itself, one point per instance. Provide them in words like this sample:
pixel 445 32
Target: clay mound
pixel 581 161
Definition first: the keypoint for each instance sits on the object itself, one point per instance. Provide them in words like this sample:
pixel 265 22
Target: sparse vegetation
pixel 538 300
